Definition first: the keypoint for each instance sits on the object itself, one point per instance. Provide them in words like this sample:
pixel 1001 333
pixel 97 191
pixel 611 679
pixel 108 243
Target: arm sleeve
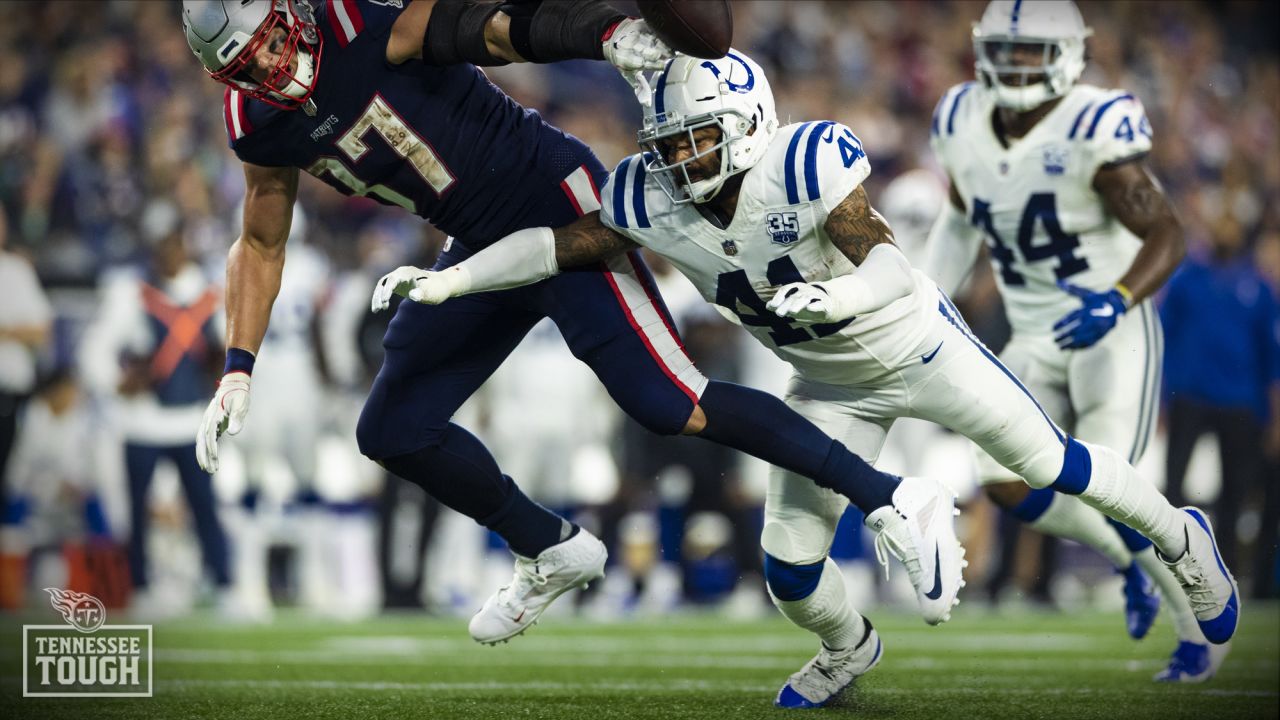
pixel 108 336
pixel 883 277
pixel 29 297
pixel 521 258
pixel 951 249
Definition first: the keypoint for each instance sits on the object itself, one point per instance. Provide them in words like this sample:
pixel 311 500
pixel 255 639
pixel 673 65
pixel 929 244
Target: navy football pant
pixel 611 317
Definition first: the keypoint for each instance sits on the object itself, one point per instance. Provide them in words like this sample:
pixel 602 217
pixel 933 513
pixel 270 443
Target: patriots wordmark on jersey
pixel 1034 199
pixel 776 237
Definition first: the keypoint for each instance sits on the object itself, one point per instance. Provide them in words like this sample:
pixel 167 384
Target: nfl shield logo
pixel 730 247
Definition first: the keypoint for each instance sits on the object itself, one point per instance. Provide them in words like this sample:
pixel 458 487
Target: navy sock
pixel 527 527
pixel 461 474
pixel 761 425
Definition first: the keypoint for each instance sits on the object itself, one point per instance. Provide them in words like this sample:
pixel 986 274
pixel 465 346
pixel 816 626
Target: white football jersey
pixel 777 237
pixel 1034 201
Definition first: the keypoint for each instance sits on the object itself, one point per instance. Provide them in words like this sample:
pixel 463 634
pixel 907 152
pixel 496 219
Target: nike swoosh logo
pixel 926 358
pixel 936 592
pixel 831 134
pixel 1104 311
pixel 520 616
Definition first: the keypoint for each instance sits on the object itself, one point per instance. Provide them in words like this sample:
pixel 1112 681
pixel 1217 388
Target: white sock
pixel 826 611
pixel 1067 517
pixel 1117 491
pixel 1175 599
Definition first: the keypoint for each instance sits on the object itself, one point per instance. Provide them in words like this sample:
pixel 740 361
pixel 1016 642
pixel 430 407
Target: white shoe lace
pixel 1192 578
pixel 886 545
pixel 522 583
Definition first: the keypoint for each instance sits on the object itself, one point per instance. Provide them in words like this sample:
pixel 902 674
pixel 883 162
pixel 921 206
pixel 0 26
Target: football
pixel 703 28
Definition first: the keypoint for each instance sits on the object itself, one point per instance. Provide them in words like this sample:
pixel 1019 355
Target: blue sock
pixel 762 426
pixel 1134 540
pixel 1033 505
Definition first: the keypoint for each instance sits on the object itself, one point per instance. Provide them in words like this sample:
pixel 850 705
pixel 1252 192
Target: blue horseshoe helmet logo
pixel 734 87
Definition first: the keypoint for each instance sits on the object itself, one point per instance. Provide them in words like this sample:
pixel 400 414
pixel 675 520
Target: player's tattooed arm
pixel 855 227
pixel 1133 196
pixel 587 240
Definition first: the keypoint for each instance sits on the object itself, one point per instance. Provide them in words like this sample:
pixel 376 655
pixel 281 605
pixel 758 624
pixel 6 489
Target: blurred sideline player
pixel 773 224
pixel 55 507
pixel 387 102
pixel 151 351
pixel 1052 175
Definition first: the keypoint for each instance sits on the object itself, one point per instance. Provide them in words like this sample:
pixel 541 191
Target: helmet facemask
pixel 1004 67
pixel 285 86
pixel 674 178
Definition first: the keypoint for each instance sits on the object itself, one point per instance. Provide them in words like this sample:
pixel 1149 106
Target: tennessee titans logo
pixel 82 611
pixel 744 87
pixel 783 228
pixel 1055 159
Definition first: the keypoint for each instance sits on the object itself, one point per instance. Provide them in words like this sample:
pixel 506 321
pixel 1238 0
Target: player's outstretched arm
pixel 1133 196
pixel 447 32
pixel 521 258
pixel 952 246
pixel 254 266
pixel 882 275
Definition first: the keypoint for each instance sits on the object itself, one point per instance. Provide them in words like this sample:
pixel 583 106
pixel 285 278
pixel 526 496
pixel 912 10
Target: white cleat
pixel 536 584
pixel 918 528
pixel 1212 590
pixel 825 676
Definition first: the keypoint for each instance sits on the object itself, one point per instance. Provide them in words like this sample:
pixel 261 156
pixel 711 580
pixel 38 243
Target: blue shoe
pixel 829 673
pixel 1193 663
pixel 1141 603
pixel 1210 588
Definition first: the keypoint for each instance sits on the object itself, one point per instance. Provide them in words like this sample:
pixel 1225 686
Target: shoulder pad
pixel 1098 105
pixel 242 115
pixel 344 20
pixel 949 110
pixel 817 160
pixel 1112 124
pixel 629 197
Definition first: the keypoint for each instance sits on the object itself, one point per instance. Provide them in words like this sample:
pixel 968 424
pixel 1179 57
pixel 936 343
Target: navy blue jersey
pixel 441 142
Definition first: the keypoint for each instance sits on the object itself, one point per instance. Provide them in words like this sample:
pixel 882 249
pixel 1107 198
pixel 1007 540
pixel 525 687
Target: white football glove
pixel 420 286
pixel 633 49
pixel 803 302
pixel 225 414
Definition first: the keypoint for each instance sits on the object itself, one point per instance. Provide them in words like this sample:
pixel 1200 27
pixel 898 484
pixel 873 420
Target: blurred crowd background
pixel 115 172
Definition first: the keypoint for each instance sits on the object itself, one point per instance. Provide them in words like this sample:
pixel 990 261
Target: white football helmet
pixel 226 34
pixel 1011 31
pixel 731 93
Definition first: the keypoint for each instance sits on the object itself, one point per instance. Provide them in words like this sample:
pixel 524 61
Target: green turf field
pixel 983 664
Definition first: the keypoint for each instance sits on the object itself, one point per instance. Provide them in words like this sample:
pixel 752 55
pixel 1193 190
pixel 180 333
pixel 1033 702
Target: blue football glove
pixel 1087 325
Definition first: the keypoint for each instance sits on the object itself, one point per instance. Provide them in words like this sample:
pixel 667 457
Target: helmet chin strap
pixel 301 79
pixel 705 191
pixel 1022 98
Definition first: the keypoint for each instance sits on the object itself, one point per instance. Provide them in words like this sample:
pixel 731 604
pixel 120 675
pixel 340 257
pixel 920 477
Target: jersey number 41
pixel 734 291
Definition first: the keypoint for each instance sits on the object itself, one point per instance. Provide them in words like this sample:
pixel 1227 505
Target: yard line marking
pixel 681 686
